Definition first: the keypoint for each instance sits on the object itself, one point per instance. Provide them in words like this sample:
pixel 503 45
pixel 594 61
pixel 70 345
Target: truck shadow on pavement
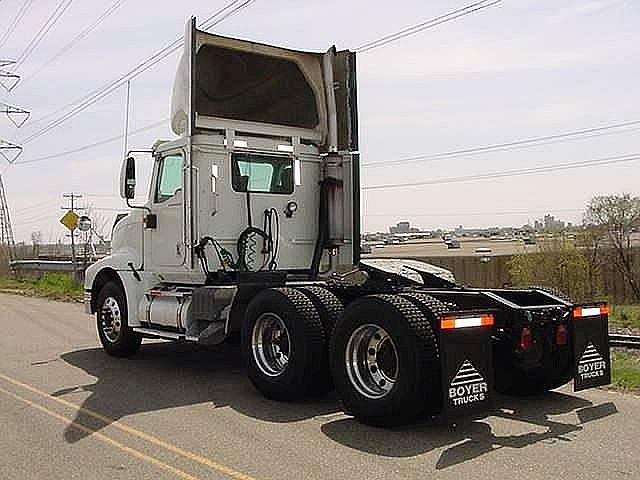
pixel 169 375
pixel 472 437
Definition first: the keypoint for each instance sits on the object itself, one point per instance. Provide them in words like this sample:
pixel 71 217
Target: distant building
pixel 403 227
pixel 550 223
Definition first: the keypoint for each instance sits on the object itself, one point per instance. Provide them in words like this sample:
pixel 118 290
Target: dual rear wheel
pixel 381 353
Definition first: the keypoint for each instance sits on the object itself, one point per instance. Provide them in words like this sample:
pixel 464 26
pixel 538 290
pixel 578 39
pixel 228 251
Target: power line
pixel 100 195
pixel 80 36
pixel 412 30
pixel 39 36
pixel 76 107
pixel 497 147
pixel 95 144
pixel 512 173
pixel 12 26
pixel 32 206
pixel 38 218
pixel 474 214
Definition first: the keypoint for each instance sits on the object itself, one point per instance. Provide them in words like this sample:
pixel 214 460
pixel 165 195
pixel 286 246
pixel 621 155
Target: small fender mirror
pixel 128 179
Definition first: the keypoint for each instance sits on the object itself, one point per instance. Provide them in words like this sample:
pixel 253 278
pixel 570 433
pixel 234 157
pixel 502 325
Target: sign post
pixel 70 220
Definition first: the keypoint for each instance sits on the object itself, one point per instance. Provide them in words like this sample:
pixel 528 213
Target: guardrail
pixel 627 341
pixel 43 265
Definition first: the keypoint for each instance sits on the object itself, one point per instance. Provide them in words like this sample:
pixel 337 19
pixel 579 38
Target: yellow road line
pixel 103 437
pixel 126 428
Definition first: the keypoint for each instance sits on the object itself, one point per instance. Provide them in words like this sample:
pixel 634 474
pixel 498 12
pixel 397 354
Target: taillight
pixel 562 335
pixel 581 312
pixel 526 339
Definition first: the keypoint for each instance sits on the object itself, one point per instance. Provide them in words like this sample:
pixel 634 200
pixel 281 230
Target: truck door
pixel 167 238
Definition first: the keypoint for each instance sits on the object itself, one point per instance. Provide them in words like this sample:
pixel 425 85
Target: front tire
pixel 384 361
pixel 117 338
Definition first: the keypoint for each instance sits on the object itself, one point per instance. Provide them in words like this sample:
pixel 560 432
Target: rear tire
pixel 285 344
pixel 117 338
pixel 384 361
pixel 330 308
pixel 432 308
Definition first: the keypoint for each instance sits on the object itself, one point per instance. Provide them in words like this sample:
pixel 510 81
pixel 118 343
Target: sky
pixel 516 70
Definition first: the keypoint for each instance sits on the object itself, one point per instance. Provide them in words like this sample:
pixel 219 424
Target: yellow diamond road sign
pixel 70 220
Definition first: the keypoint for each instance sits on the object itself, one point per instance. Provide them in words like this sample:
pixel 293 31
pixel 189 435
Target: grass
pixel 49 285
pixel 626 370
pixel 625 316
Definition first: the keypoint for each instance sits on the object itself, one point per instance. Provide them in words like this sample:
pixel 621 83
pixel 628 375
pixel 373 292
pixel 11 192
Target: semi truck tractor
pixel 251 230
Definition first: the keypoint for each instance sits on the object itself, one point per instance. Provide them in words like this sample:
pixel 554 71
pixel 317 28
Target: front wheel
pixel 118 339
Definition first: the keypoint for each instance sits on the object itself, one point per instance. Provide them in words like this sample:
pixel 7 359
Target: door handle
pixel 178 249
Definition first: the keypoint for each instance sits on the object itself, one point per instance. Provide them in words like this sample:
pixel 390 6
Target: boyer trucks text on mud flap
pixel 251 229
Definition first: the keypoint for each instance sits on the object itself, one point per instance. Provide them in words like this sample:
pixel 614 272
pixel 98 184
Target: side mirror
pixel 128 179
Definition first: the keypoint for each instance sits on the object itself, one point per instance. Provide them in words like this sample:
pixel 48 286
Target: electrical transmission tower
pixel 10 152
pixel 18 116
pixel 6 232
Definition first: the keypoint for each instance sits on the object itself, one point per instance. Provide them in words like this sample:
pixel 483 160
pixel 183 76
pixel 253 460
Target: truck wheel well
pixel 105 276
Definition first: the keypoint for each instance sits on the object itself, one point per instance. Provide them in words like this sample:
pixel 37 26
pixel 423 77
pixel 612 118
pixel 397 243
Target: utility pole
pixel 73 208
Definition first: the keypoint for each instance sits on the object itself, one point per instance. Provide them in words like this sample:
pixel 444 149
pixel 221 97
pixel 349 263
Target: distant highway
pixel 437 248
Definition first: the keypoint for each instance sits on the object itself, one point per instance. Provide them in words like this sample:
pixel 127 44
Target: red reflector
pixel 463 322
pixel 447 323
pixel 526 340
pixel 562 335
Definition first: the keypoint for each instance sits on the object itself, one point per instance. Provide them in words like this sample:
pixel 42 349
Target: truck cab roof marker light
pixel 285 148
pixel 580 312
pixel 450 322
pixel 237 143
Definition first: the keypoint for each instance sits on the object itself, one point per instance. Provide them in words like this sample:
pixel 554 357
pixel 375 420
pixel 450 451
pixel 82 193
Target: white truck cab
pixel 259 183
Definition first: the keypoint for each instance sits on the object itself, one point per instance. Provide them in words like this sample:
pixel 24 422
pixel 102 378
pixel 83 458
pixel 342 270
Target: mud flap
pixel 466 361
pixel 590 326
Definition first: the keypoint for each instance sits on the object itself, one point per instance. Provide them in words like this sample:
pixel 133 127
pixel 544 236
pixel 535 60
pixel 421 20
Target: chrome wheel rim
pixel 271 344
pixel 371 361
pixel 111 319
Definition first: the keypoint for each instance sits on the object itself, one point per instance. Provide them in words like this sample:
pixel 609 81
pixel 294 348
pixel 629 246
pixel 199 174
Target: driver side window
pixel 169 177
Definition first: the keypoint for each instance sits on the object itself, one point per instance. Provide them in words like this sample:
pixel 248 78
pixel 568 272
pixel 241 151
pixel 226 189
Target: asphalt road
pixel 69 411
